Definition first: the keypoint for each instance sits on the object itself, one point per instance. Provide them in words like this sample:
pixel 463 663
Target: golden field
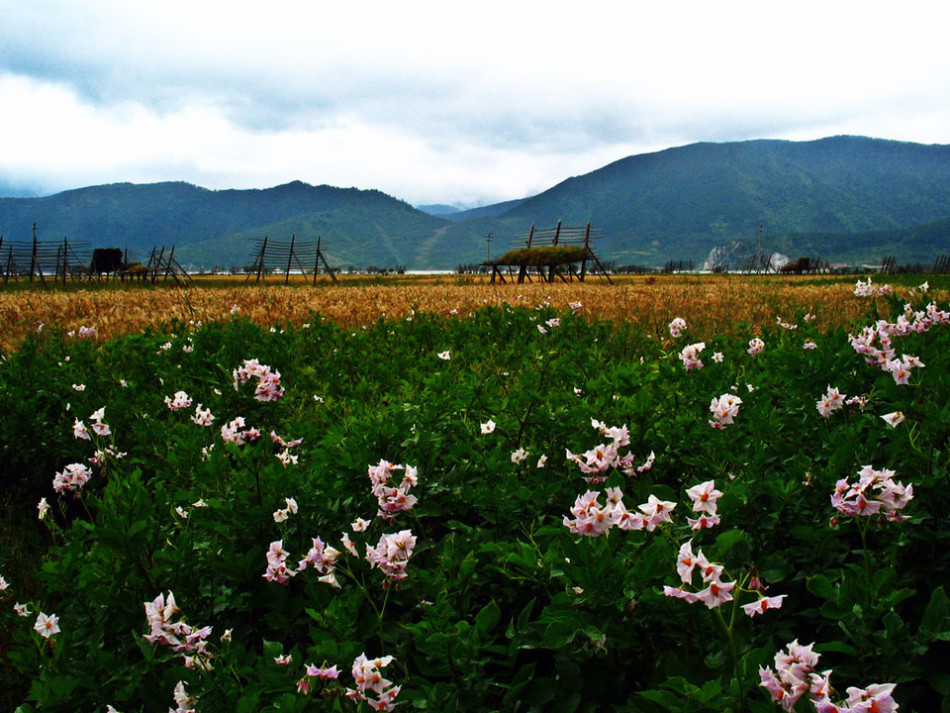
pixel 711 304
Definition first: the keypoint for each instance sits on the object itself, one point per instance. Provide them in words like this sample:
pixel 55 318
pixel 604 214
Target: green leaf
pixel 935 622
pixel 487 618
pixel 821 586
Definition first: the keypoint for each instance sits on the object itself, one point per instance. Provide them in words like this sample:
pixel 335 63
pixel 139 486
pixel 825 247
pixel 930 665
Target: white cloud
pixel 435 102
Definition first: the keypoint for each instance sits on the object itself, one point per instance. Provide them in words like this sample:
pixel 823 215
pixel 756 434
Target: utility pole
pixel 488 254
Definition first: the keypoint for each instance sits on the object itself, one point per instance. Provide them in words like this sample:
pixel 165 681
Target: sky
pixel 444 102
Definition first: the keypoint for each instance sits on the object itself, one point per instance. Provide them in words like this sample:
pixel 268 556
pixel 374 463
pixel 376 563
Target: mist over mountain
pixel 841 199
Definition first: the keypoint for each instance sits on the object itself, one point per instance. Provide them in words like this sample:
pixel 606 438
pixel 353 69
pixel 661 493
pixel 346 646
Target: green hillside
pixel 841 198
pixel 682 202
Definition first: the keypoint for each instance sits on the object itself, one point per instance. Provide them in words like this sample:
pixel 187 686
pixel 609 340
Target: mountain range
pixel 843 199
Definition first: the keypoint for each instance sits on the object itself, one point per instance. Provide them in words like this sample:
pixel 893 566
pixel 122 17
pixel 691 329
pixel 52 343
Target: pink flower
pixel 724 409
pixel 893 419
pixel 876 698
pixel 704 497
pixel 590 517
pixel 202 417
pixel 686 562
pixel 268 380
pixel 690 356
pixel 71 479
pixel 392 498
pixel 322 672
pixel 371 687
pixel 830 402
pixel 679 593
pixel 656 511
pixel 716 594
pixel 47 626
pixel 703 522
pixel 277 569
pixel 677 327
pixel 181 400
pixel 80 430
pixel 392 553
pixel 763 604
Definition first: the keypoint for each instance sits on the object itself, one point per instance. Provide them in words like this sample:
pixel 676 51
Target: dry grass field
pixel 710 303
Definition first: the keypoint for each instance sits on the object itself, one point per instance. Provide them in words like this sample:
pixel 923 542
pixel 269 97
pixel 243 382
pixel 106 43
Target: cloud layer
pixel 438 102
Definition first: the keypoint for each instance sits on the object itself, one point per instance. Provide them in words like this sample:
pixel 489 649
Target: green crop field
pixel 723 495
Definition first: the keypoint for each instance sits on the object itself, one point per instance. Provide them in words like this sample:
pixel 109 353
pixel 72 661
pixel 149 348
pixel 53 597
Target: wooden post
pixel 523 269
pixel 586 253
pixel 158 263
pixel 260 264
pixel 316 260
pixel 290 256
pixel 65 259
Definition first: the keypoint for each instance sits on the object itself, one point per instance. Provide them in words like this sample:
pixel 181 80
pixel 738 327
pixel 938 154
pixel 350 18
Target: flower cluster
pixel 185 703
pixel 714 593
pixel 181 637
pixel 202 416
pixel 235 432
pixel 392 499
pixel 875 343
pixel 677 327
pixel 71 479
pixel 830 402
pixel 756 345
pixel 268 380
pixel 867 289
pixel 724 409
pixel 322 558
pixel 281 514
pixel 181 400
pixel 322 673
pixel 690 356
pixel 592 519
pixel 704 497
pixel 875 492
pixel 795 675
pixel 604 456
pixel 392 553
pixel 277 569
pixel 371 687
pixel 99 426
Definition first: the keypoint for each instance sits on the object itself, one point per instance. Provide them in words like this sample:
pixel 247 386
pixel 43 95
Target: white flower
pixel 488 426
pixel 894 418
pixel 47 626
pixel 445 356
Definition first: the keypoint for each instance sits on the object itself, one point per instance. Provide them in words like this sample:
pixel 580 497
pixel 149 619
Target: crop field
pixel 674 493
pixel 712 303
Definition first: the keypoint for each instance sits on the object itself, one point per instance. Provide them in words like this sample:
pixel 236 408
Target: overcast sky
pixel 444 102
